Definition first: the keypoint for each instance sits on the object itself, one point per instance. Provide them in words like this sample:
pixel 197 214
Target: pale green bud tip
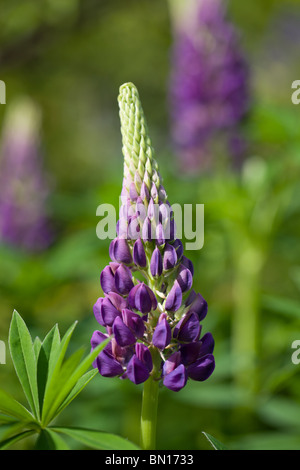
pixel 137 149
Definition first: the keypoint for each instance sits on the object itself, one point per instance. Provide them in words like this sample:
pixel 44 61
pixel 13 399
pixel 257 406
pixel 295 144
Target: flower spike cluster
pixel 149 307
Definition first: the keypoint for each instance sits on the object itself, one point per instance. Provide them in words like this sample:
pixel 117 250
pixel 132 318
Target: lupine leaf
pixel 55 362
pixel 12 440
pixel 37 346
pixel 70 383
pixel 23 357
pixel 97 439
pixel 10 406
pixel 10 429
pixel 217 445
pixel 48 347
pixel 49 440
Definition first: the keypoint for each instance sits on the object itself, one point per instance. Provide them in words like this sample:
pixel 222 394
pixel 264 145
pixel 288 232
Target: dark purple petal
pixel 171 363
pixel 199 306
pixel 156 263
pixel 202 368
pixel 188 264
pixel 117 301
pixel 184 278
pixel 162 335
pixel 108 312
pixel 97 311
pixel 107 365
pixel 170 257
pixel 97 338
pixel 139 255
pixel 137 372
pixel 107 280
pixel 190 352
pixel 178 247
pixel 123 280
pixel 174 298
pixel 188 328
pixel 176 379
pixel 121 251
pixel 123 335
pixel 134 322
pixel 207 344
pixel 142 298
pixel 112 249
pixel 144 355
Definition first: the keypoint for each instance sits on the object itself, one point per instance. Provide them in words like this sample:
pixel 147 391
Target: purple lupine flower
pixel 155 323
pixel 209 90
pixel 24 222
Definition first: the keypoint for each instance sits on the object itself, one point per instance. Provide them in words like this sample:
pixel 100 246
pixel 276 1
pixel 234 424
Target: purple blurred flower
pixel 208 83
pixel 23 187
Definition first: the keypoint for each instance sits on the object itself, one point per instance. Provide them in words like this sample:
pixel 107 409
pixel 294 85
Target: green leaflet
pixel 12 440
pixel 10 406
pixel 54 366
pixel 97 439
pixel 47 348
pixel 24 360
pixel 217 445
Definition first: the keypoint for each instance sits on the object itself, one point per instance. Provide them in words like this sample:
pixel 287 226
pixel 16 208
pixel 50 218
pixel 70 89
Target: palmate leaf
pixel 50 383
pixel 70 386
pixel 97 439
pixel 24 360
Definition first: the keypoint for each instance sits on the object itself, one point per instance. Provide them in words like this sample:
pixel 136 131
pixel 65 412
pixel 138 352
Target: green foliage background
pixel 71 56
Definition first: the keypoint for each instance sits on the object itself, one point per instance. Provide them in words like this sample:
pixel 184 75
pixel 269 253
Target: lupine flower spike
pixel 24 189
pixel 149 307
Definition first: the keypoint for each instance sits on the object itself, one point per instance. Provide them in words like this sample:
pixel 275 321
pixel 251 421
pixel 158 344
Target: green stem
pixel 149 414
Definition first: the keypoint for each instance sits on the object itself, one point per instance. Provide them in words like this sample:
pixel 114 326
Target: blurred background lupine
pixel 24 222
pixel 70 58
pixel 209 85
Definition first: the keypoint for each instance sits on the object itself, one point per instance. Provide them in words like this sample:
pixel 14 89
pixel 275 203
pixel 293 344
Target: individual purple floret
pixel 209 89
pixel 149 307
pixel 23 189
